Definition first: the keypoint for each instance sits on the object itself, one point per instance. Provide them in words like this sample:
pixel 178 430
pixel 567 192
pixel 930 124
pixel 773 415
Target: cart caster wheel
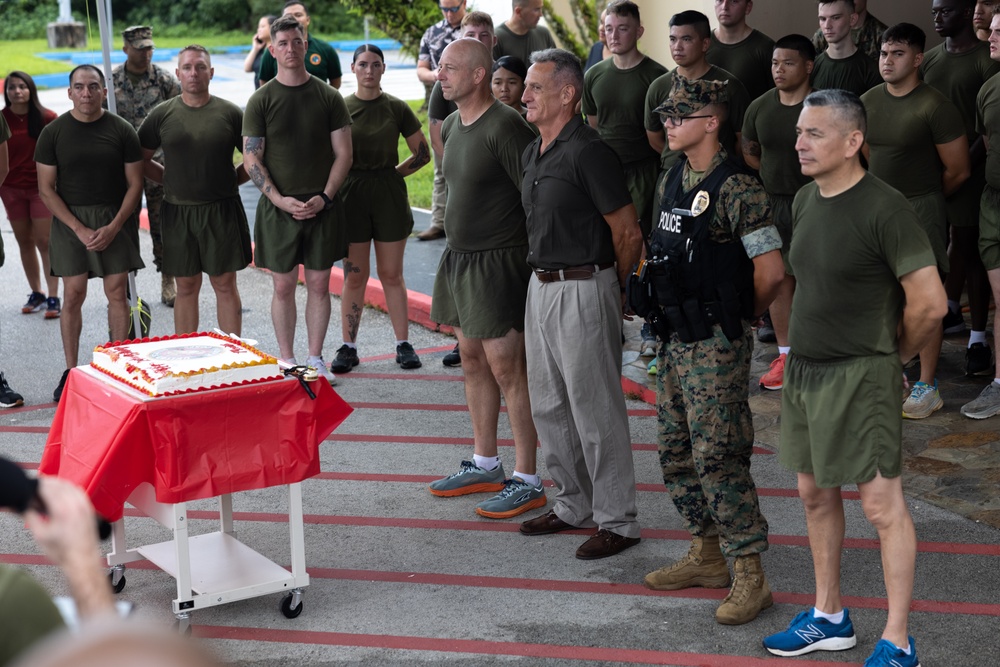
pixel 120 586
pixel 183 632
pixel 286 607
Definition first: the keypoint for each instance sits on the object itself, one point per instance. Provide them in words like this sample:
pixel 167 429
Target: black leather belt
pixel 584 272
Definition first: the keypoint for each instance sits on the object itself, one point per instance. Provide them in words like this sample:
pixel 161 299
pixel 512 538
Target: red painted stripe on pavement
pixel 30 408
pixel 24 429
pixel 632 387
pixel 404 376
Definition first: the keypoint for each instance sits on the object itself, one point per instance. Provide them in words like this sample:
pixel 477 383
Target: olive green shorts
pixel 963 206
pixel 781 214
pixel 641 179
pixel 211 238
pixel 841 420
pixel 989 228
pixel 377 206
pixel 483 293
pixel 281 243
pixel 69 257
pixel 933 214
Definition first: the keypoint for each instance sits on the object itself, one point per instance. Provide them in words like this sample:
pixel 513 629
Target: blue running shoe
pixel 469 479
pixel 808 633
pixel 887 654
pixel 516 498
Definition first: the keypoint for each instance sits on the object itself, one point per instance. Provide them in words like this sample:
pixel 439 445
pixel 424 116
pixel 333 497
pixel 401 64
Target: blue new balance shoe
pixel 808 633
pixel 887 654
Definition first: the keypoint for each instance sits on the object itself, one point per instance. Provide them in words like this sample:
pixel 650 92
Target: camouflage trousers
pixel 154 197
pixel 706 437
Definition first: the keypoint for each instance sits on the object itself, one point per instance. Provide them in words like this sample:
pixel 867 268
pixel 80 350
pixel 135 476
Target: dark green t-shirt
pixel 959 76
pixel 482 165
pixel 90 158
pixel 739 100
pixel 377 126
pixel 200 141
pixel 321 60
pixel 749 60
pixel 296 123
pixel 903 135
pixel 856 73
pixel 615 96
pixel 988 124
pixel 847 254
pixel 27 616
pixel 772 125
pixel 521 46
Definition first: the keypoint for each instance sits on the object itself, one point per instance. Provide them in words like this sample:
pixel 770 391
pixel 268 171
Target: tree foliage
pixel 402 20
pixel 584 19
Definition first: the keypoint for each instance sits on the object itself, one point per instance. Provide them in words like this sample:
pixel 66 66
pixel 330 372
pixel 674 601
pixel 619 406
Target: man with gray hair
pixel 857 314
pixel 583 239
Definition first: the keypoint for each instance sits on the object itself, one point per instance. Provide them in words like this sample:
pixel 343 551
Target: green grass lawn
pixel 421 184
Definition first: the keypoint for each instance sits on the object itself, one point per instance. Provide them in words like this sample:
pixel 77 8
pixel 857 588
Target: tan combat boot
pixel 168 291
pixel 704 566
pixel 749 595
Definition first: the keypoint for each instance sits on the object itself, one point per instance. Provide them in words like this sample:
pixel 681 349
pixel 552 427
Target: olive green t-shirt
pixel 857 73
pixel 959 76
pixel 296 123
pixel 903 135
pixel 749 60
pixel 847 254
pixel 615 96
pixel 772 125
pixel 988 124
pixel 482 165
pixel 27 616
pixel 521 46
pixel 739 100
pixel 90 158
pixel 200 141
pixel 377 126
pixel 321 59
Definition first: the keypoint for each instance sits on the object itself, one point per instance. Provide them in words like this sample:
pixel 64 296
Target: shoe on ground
pixel 923 401
pixel 887 654
pixel 953 323
pixel 765 332
pixel 806 634
pixel 773 379
pixel 8 397
pixel 57 394
pixel 546 524
pixel 322 369
pixel 406 357
pixel 749 595
pixel 52 308
pixel 603 544
pixel 453 358
pixel 703 566
pixel 979 359
pixel 431 234
pixel 651 368
pixel 36 300
pixel 516 498
pixel 346 359
pixel 986 405
pixel 469 479
pixel 168 290
pixel 647 348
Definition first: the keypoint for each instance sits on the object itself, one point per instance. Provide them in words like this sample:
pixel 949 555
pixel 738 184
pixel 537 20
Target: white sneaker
pixel 322 369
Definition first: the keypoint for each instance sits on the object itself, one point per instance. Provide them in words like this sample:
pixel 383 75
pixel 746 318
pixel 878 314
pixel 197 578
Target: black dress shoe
pixel 604 543
pixel 546 524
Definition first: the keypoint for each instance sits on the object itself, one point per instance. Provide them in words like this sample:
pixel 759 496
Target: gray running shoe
pixel 986 405
pixel 470 479
pixel 516 498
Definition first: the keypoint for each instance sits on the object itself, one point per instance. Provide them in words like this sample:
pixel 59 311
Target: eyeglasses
pixel 448 10
pixel 677 121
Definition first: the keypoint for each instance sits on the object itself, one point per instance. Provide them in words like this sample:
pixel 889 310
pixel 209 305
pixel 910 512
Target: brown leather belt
pixel 584 272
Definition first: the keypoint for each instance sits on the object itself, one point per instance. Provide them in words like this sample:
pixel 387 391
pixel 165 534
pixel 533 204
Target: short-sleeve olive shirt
pixel 615 96
pixel 521 46
pixel 772 125
pixel 988 124
pixel 296 123
pixel 857 73
pixel 749 60
pixel 959 77
pixel 377 127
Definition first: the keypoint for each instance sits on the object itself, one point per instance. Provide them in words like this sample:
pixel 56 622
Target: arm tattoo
pixel 255 145
pixel 751 148
pixel 259 179
pixel 421 157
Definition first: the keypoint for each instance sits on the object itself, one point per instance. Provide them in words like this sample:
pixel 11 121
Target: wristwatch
pixel 326 201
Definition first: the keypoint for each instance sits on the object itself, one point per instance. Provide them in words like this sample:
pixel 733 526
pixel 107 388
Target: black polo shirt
pixel 566 192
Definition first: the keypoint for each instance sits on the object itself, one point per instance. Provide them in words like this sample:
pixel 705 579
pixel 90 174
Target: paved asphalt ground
pixel 400 577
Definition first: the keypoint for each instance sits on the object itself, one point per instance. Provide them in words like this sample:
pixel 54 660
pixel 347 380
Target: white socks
pixel 533 480
pixel 836 619
pixel 486 462
pixel 783 350
pixel 976 337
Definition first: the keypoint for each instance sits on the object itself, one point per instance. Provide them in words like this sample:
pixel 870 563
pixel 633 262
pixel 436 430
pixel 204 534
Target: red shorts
pixel 23 204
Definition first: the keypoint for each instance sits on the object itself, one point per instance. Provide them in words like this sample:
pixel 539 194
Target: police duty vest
pixel 698 282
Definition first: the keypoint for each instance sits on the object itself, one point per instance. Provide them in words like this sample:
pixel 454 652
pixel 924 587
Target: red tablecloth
pixel 110 440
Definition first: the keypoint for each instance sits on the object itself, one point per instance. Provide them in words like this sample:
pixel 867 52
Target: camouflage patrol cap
pixel 688 96
pixel 138 36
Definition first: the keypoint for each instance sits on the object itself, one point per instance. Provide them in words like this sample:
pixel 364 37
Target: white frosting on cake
pixel 185 363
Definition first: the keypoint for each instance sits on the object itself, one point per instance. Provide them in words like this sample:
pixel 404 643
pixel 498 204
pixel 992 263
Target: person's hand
pixel 627 313
pixel 67 531
pixel 102 238
pixel 313 207
pixel 291 206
